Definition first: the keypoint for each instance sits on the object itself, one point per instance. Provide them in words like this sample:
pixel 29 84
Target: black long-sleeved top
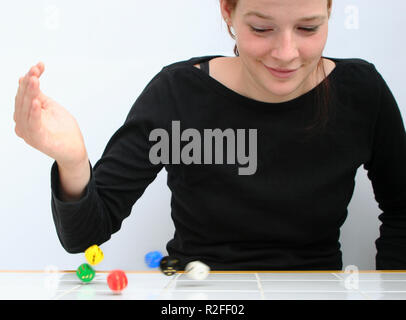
pixel 285 216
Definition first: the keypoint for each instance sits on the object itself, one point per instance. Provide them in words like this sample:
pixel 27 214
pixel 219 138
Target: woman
pixel 315 121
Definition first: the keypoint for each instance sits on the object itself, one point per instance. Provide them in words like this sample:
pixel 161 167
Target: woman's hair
pixel 322 91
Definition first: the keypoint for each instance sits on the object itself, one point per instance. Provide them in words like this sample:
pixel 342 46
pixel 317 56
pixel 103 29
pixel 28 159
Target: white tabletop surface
pixel 64 285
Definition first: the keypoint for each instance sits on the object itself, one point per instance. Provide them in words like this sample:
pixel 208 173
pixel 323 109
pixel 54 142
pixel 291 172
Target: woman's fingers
pixel 25 93
pixel 35 71
pixel 28 89
pixel 31 91
pixel 29 95
pixel 41 68
pixel 34 119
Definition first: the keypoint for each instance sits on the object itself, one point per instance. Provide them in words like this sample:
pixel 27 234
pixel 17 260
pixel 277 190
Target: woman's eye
pixel 260 30
pixel 305 29
pixel 311 29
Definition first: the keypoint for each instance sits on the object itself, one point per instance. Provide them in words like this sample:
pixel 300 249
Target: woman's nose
pixel 284 47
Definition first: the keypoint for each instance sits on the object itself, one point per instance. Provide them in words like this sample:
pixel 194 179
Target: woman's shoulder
pixel 356 73
pixel 186 63
pixel 349 65
pixel 170 72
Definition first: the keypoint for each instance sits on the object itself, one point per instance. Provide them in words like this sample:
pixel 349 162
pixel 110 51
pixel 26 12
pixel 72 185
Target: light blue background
pixel 98 56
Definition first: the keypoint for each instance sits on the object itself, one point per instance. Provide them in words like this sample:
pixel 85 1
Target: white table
pixel 242 285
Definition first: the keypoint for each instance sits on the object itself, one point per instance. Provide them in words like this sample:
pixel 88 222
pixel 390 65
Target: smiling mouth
pixel 282 69
pixel 282 73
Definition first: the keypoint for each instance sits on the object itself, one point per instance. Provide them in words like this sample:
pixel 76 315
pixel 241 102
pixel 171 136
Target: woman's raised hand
pixel 46 125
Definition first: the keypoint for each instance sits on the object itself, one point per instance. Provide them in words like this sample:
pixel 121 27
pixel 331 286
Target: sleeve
pixel 387 172
pixel 117 180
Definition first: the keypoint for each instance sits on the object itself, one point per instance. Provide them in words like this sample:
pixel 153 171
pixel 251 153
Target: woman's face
pixel 274 34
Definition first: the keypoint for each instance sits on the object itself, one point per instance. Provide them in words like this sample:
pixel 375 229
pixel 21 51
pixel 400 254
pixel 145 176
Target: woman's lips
pixel 282 73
